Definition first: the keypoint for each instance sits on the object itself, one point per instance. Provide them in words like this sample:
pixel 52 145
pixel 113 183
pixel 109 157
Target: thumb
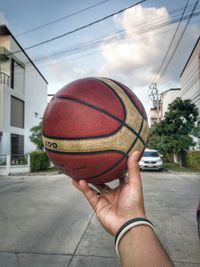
pixel 133 169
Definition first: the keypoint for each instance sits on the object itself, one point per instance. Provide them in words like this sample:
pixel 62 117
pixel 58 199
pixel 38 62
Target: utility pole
pixel 153 94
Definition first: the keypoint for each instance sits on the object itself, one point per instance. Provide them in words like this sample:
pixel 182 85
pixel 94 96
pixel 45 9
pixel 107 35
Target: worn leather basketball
pixel 91 126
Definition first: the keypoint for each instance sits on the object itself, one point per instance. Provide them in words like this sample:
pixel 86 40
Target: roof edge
pixel 171 89
pixel 4 29
pixel 190 56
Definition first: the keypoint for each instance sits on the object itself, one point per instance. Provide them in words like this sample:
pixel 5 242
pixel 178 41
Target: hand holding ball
pixel 91 126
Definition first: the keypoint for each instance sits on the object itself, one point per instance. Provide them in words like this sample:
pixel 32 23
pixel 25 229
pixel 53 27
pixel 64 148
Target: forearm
pixel 140 247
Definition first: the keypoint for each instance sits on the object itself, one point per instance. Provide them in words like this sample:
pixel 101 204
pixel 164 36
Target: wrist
pixel 123 220
pixel 132 225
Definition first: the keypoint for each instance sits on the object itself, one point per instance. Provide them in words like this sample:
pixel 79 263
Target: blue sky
pixel 125 47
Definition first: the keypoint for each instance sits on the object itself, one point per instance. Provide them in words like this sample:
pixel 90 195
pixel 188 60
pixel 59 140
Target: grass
pixel 176 168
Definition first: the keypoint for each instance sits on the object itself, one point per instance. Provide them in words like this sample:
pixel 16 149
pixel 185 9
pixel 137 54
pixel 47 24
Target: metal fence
pixel 2 160
pixel 19 159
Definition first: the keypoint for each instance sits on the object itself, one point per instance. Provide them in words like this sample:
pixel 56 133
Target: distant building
pixel 190 86
pixel 166 98
pixel 152 116
pixel 23 96
pixel 190 80
pixel 190 77
pixel 49 97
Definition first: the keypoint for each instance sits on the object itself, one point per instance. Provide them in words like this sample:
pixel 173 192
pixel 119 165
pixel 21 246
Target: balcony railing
pixel 4 79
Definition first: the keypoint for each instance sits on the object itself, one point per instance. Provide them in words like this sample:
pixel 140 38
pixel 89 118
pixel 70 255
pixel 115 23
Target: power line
pixel 75 58
pixel 80 28
pixel 91 43
pixel 62 18
pixel 172 40
pixel 180 38
pixel 77 12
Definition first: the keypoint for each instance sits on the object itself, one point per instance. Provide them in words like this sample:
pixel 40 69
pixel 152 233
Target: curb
pixel 34 173
pixel 184 173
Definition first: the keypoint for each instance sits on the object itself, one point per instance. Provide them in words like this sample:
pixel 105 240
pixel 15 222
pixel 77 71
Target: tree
pixel 173 134
pixel 36 136
pixel 196 130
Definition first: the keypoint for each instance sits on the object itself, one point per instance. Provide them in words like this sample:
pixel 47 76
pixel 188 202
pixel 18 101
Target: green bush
pixel 192 159
pixel 168 157
pixel 39 161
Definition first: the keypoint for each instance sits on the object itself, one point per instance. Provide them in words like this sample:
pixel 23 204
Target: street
pixel 44 221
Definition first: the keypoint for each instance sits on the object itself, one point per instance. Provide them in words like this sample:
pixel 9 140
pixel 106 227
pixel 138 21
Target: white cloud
pixel 137 54
pixel 133 56
pixel 65 72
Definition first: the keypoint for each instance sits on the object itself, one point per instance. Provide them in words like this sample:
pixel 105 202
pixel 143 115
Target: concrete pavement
pixel 45 222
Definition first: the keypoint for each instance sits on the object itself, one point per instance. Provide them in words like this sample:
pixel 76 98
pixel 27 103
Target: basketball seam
pixel 120 100
pixel 125 155
pixel 128 97
pixel 86 152
pixel 113 166
pixel 99 109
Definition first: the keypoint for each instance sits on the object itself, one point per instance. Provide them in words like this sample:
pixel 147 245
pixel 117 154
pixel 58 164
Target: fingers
pixel 93 196
pixel 103 188
pixel 123 179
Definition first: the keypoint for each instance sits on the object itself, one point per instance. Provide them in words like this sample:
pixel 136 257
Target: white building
pixel 23 96
pixel 190 85
pixel 166 98
pixel 190 77
pixel 49 97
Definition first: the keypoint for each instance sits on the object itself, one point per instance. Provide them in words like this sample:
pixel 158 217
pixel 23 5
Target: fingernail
pixel 136 155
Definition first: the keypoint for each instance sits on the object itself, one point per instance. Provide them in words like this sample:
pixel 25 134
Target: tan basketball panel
pixel 121 140
pixel 145 131
pixel 139 146
pixel 133 117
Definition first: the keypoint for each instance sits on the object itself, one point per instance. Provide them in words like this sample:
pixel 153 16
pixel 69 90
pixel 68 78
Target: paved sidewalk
pixel 45 222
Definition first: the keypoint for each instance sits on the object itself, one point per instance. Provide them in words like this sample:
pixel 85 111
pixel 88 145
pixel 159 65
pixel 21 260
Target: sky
pixel 92 38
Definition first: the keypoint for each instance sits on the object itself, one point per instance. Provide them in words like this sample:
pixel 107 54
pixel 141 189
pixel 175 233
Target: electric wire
pixel 62 18
pixel 171 42
pixel 79 28
pixel 179 40
pixel 91 43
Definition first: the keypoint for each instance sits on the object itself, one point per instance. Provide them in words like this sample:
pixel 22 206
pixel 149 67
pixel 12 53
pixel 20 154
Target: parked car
pixel 198 218
pixel 151 160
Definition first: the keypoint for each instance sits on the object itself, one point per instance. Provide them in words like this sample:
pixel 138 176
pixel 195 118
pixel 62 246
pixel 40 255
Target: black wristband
pixel 129 222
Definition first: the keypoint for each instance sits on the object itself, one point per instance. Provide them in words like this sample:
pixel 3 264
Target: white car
pixel 151 160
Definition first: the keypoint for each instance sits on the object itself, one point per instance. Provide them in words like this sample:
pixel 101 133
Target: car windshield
pixel 153 154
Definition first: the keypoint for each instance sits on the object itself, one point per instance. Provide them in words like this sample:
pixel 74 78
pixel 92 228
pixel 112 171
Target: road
pixel 45 222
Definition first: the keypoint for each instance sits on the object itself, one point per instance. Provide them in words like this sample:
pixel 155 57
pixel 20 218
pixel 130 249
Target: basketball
pixel 91 126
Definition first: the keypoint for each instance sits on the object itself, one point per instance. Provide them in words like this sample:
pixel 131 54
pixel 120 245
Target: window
pixel 17 76
pixel 17 112
pixel 17 145
pixel 12 73
pixel 153 154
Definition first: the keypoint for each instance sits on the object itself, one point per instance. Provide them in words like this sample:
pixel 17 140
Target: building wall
pixel 7 129
pixel 35 102
pixel 30 87
pixel 152 116
pixel 168 97
pixel 5 41
pixel 190 78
